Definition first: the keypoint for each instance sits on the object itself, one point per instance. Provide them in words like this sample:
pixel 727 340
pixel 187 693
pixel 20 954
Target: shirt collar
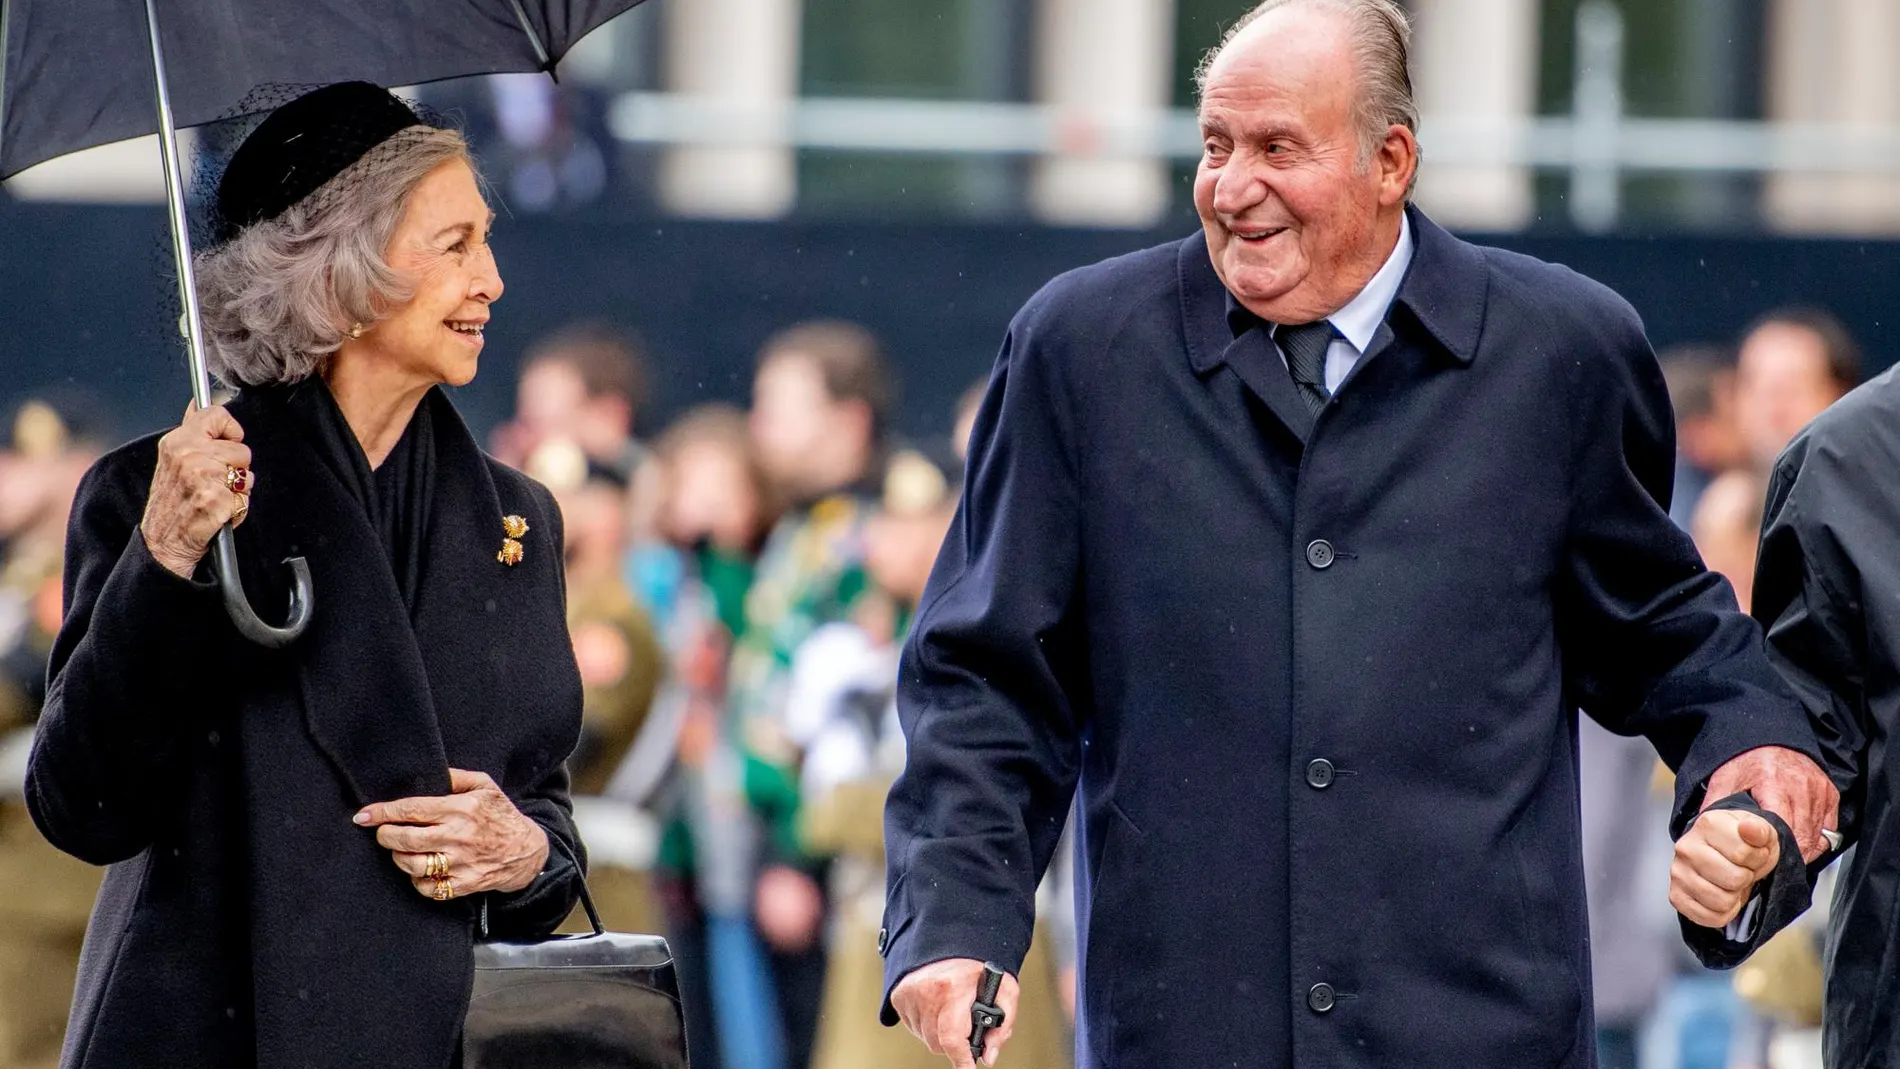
pixel 1359 320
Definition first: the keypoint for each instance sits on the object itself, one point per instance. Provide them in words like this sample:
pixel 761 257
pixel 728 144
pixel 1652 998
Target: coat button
pixel 1320 998
pixel 1319 774
pixel 1319 553
pixel 883 940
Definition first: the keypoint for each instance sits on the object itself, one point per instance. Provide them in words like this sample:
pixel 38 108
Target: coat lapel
pixel 1211 344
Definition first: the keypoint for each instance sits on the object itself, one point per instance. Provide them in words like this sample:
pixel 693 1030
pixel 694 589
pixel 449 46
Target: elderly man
pixel 1294 547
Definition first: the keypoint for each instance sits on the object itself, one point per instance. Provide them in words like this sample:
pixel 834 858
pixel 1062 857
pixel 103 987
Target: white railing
pixel 974 128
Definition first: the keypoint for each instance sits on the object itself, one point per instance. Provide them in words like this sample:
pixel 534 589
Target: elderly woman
pixel 304 842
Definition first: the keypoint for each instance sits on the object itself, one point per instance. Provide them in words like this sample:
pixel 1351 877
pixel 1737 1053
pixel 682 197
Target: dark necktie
pixel 1305 348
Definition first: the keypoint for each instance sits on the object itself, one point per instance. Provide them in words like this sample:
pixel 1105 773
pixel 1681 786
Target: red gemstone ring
pixel 237 480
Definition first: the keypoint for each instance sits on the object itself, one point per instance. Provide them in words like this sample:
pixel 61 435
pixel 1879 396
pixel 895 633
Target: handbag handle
pixel 587 900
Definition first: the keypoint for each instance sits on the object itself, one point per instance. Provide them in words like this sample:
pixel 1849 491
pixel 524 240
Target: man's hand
pixel 935 1003
pixel 1718 862
pixel 1787 784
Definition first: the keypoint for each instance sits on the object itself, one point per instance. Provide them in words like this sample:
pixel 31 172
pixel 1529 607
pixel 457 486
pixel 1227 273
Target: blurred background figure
pixel 1701 381
pixel 45 895
pixel 1726 528
pixel 841 710
pixel 1793 363
pixel 621 664
pixel 822 401
pixel 716 507
pixel 586 384
pixel 1626 853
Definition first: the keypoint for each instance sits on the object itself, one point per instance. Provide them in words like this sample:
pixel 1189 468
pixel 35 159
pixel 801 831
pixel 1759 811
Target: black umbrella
pixel 80 73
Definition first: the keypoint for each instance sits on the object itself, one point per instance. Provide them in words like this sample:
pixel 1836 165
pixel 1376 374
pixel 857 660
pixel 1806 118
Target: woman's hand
pixel 487 843
pixel 193 491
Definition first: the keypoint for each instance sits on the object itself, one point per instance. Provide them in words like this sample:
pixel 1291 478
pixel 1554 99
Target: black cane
pixel 986 1014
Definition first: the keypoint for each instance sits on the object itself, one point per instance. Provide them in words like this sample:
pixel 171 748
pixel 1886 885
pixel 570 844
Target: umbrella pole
pixel 224 561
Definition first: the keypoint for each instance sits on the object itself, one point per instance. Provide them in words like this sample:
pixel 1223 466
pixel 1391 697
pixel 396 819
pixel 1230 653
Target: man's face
pixel 1296 225
pixel 1781 384
pixel 550 397
pixel 792 418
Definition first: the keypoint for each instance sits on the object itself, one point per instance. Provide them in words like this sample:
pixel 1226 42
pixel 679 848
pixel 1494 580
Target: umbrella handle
pixel 249 624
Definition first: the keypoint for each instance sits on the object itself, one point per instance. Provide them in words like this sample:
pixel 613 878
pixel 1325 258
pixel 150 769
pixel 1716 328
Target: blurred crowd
pixel 739 585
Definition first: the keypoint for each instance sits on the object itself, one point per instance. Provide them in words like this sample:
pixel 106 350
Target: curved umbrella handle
pixel 248 622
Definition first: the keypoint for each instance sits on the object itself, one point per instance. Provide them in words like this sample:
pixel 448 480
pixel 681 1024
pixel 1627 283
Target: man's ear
pixel 1397 161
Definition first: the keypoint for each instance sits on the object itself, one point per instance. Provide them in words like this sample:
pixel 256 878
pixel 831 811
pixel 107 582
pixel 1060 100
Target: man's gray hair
pixel 1382 44
pixel 282 295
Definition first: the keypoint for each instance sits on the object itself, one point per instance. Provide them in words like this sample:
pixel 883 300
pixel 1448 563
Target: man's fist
pixel 1718 862
pixel 935 1003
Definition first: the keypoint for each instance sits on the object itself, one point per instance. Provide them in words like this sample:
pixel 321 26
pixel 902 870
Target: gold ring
pixel 243 508
pixel 438 866
pixel 236 479
pixel 444 888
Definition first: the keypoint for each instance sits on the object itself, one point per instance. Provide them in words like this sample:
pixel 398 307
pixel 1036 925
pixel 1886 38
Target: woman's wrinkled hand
pixel 191 496
pixel 488 843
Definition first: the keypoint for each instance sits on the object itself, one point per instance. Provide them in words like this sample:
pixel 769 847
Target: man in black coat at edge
pixel 1294 548
pixel 1825 591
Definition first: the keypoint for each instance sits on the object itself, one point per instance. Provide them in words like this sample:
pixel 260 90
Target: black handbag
pixel 601 1001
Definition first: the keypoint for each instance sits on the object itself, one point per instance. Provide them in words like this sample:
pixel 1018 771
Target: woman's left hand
pixel 488 844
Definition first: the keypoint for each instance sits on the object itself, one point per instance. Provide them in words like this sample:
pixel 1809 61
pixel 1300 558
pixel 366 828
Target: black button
pixel 1320 999
pixel 1319 553
pixel 1319 774
pixel 883 940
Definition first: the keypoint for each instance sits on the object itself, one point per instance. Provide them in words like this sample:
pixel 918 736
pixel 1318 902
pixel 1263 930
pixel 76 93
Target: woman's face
pixel 441 246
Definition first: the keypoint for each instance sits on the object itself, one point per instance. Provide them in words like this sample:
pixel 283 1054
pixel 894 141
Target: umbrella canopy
pixel 78 73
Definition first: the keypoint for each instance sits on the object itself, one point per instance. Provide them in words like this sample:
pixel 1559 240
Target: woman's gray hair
pixel 1382 44
pixel 282 295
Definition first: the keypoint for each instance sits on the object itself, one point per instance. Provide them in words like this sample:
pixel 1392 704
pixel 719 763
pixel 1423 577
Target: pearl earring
pixel 356 330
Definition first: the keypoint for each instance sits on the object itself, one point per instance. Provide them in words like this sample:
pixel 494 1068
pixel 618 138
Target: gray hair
pixel 1382 44
pixel 282 295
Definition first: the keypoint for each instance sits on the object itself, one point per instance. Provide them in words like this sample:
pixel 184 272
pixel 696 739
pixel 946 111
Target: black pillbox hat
pixel 304 144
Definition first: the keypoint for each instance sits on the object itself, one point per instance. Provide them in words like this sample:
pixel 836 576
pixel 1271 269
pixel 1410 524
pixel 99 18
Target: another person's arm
pixel 1653 642
pixel 986 697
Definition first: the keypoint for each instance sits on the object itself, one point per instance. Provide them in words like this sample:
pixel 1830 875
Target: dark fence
pixel 86 303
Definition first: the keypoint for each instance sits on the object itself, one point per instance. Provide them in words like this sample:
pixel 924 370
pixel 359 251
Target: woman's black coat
pixel 245 919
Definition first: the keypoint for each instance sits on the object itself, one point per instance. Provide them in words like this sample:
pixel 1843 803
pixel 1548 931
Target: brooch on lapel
pixel 513 527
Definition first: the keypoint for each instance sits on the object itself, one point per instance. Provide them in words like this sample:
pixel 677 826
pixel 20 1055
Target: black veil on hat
pixel 315 135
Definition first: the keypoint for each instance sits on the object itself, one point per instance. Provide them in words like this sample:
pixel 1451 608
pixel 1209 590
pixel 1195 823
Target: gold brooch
pixel 513 527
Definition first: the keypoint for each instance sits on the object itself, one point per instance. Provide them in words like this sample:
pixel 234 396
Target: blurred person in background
pixel 620 663
pixel 1625 865
pixel 967 407
pixel 585 383
pixel 1699 1020
pixel 1701 383
pixel 45 896
pixel 822 399
pixel 842 711
pixel 1793 363
pixel 716 506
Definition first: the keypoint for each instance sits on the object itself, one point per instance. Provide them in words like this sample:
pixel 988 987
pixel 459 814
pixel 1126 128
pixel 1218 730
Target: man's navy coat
pixel 1314 679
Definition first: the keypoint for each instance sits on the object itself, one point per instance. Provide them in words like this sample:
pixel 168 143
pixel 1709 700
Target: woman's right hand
pixel 191 497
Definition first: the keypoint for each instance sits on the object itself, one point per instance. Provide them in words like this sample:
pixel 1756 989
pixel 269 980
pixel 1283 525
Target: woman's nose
pixel 487 284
